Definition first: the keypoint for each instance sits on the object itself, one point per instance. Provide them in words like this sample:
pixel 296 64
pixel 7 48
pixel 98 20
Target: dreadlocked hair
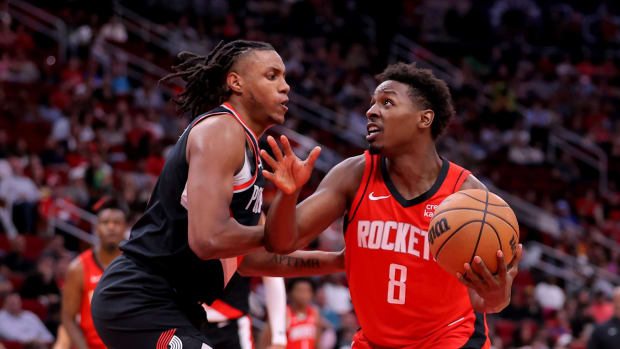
pixel 204 76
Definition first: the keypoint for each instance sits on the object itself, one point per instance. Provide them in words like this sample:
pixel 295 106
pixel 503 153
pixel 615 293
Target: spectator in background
pixel 607 334
pixel 15 260
pixel 41 284
pixel 601 308
pixel 21 325
pixel 5 286
pixel 21 195
pixel 549 295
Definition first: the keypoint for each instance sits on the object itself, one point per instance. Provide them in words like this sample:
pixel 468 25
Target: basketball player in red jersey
pixel 83 275
pixel 302 318
pixel 403 299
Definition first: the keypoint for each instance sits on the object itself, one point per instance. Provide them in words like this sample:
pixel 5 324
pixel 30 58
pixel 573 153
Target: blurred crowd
pixel 77 129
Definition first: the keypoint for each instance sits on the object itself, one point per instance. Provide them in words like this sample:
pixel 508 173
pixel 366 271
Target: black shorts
pixel 134 308
pixel 231 334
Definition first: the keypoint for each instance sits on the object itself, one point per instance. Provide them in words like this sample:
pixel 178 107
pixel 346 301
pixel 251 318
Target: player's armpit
pixel 216 147
pixel 296 264
pixel 71 301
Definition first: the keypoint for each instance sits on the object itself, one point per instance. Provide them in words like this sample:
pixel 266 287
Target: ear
pixel 426 118
pixel 234 82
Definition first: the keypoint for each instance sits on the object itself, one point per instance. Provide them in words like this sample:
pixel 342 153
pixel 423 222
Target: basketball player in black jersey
pixel 205 206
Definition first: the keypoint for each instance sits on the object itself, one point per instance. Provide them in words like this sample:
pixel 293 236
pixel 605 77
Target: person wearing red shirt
pixel 84 274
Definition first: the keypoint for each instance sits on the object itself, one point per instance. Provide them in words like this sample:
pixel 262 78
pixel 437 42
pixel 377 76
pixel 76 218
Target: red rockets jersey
pixel 92 274
pixel 301 328
pixel 401 296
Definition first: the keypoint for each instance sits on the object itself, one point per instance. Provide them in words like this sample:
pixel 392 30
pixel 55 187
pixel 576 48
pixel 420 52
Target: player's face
pixel 111 227
pixel 302 293
pixel 263 79
pixel 393 118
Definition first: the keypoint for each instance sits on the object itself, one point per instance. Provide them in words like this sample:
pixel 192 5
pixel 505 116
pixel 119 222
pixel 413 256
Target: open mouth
pixel 283 105
pixel 373 132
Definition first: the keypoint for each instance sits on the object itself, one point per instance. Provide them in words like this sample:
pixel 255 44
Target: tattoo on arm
pixel 295 262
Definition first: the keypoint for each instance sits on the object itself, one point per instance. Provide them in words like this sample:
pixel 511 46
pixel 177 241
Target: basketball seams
pixel 487 202
pixel 479 210
pixel 499 240
pixel 484 215
pixel 454 233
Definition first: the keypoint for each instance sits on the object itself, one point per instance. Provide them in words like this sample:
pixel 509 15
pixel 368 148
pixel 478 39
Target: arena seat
pixel 36 307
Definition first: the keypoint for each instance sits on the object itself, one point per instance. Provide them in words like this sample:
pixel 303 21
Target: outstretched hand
pixel 290 173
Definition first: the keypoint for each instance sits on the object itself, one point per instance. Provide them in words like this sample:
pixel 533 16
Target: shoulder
pixel 472 183
pixel 349 168
pixel 218 132
pixel 345 176
pixel 75 271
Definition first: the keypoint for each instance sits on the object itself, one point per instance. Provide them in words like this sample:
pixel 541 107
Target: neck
pixel 104 257
pixel 246 115
pixel 299 308
pixel 415 170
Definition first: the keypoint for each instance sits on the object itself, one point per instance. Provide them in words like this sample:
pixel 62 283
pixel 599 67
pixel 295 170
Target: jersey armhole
pixel 361 190
pixel 460 180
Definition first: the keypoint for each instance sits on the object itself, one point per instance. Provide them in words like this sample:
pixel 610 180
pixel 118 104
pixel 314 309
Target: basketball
pixel 470 223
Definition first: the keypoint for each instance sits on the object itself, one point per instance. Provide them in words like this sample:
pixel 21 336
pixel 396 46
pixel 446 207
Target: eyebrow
pixel 277 69
pixel 388 92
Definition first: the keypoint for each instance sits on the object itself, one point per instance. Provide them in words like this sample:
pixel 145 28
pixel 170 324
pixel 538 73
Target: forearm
pixel 296 264
pixel 75 333
pixel 232 240
pixel 281 225
pixel 275 294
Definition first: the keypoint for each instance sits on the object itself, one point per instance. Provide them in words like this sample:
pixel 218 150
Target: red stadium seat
pixel 34 246
pixel 36 307
pixel 12 344
pixel 505 329
pixel 4 243
pixel 17 281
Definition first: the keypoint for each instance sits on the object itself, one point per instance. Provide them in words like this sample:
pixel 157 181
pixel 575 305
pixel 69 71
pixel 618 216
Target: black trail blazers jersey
pixel 159 239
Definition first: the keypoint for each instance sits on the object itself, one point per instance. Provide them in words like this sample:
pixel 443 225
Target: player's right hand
pixel 290 173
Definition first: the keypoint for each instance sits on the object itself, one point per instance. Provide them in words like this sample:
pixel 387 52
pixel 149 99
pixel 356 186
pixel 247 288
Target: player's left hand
pixel 290 173
pixel 493 289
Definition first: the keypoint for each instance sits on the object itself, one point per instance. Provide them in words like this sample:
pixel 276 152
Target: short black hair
pixel 205 76
pixel 292 282
pixel 426 90
pixel 110 202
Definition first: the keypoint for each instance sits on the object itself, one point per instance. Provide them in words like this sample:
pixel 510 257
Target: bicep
pixel 215 151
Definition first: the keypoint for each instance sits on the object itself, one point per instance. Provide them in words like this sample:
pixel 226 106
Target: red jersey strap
pixel 460 178
pixel 369 169
pixel 89 263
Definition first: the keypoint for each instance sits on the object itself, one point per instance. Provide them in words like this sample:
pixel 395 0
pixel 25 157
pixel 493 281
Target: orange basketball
pixel 470 223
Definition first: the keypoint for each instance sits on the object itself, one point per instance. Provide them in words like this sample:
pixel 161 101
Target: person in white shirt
pixel 21 325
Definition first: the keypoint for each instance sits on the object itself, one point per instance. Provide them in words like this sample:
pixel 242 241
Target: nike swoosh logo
pixel 373 198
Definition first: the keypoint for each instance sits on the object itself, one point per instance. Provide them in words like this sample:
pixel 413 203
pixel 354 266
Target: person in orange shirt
pixel 84 274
